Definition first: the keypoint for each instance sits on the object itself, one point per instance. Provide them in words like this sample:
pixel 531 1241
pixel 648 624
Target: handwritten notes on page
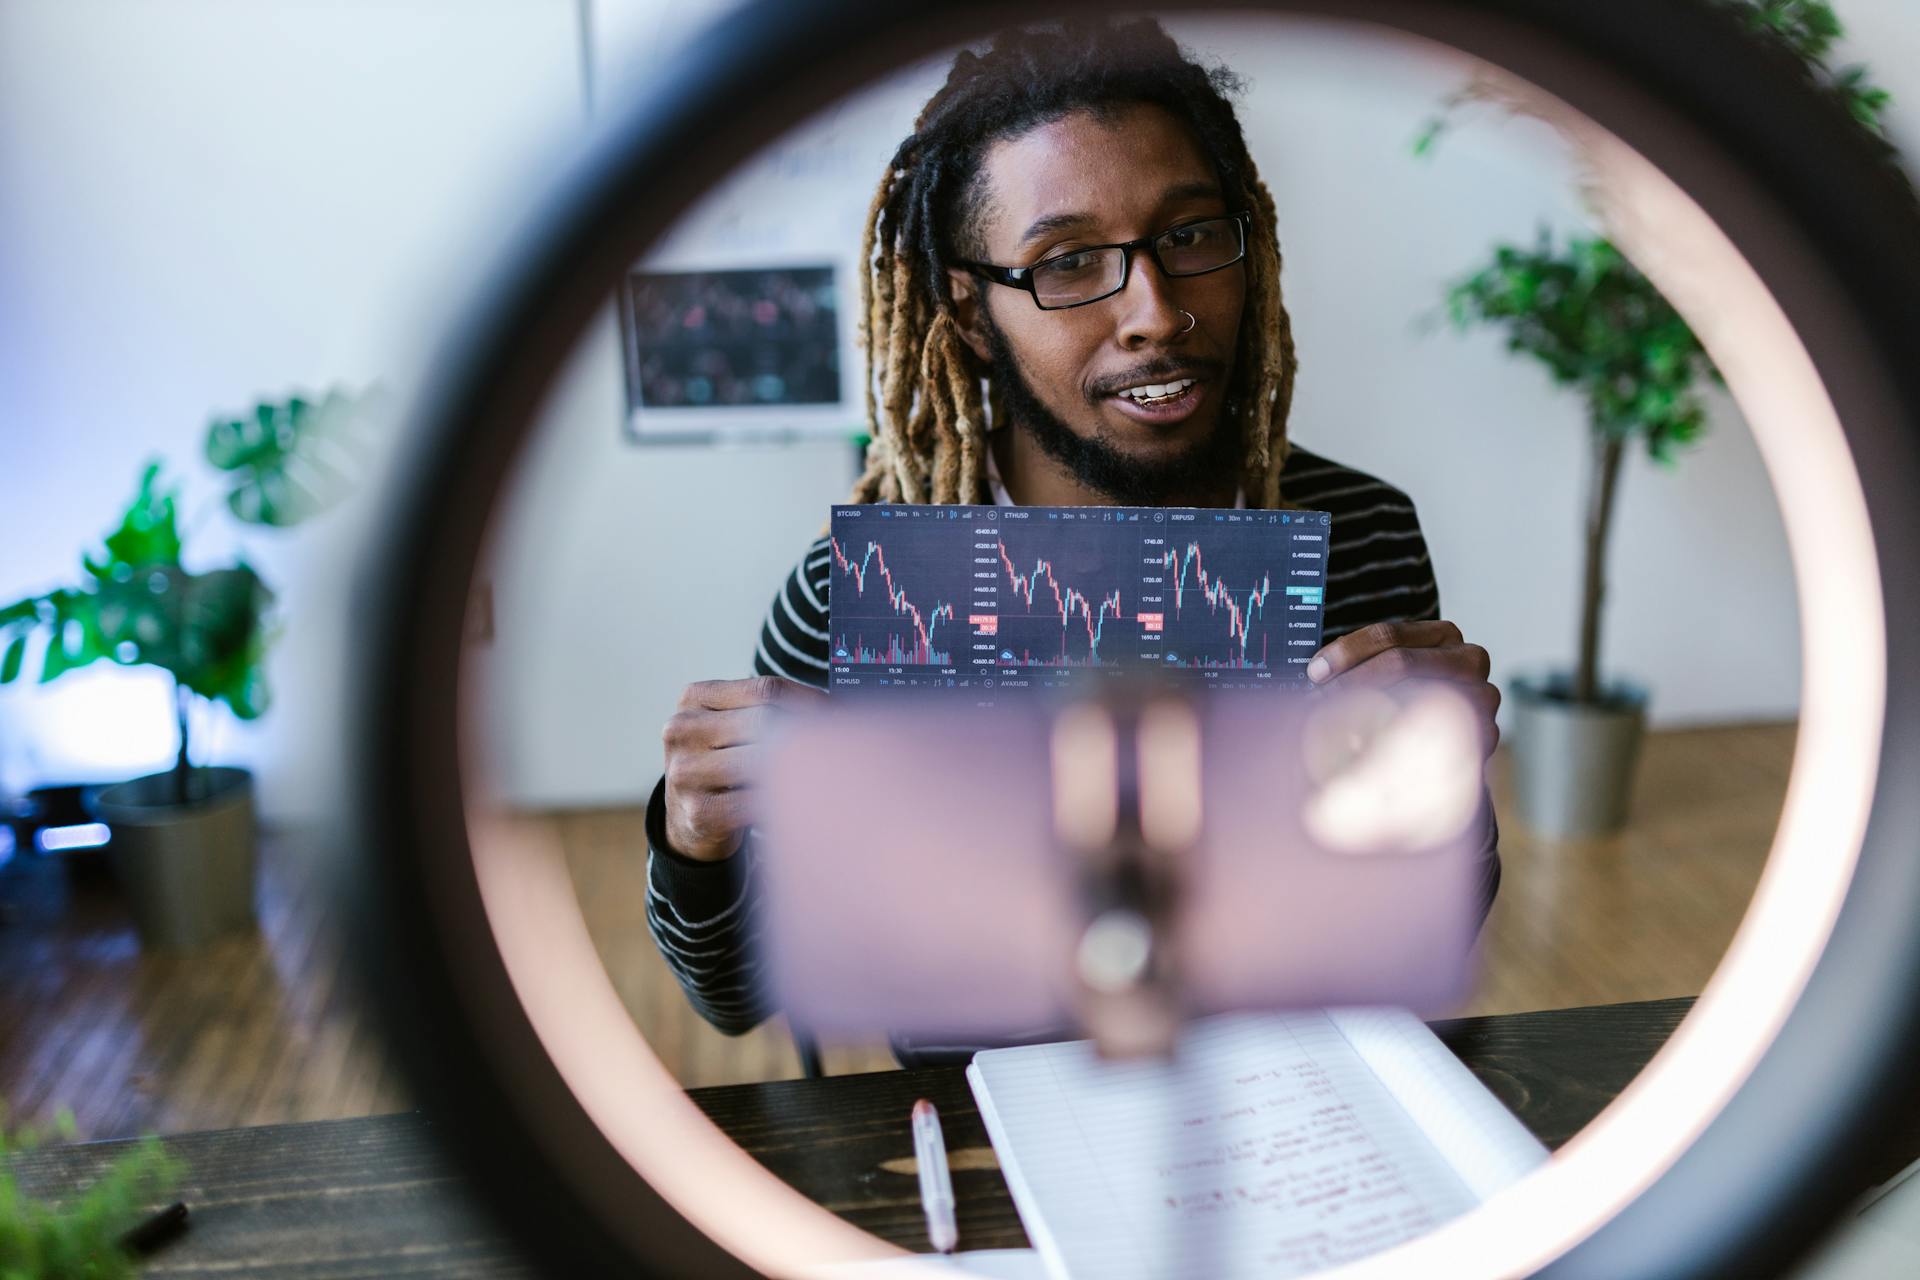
pixel 1271 1146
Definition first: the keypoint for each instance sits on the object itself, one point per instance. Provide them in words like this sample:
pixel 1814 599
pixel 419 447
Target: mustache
pixel 1164 369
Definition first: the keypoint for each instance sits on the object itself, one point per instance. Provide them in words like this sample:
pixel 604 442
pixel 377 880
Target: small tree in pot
pixel 1600 327
pixel 183 841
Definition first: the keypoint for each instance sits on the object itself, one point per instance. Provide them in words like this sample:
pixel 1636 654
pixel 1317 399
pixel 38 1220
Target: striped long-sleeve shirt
pixel 702 914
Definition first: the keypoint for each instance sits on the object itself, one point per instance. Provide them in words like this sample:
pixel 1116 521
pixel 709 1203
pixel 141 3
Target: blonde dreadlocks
pixel 925 408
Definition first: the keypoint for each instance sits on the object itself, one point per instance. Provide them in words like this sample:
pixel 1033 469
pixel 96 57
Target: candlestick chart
pixel 1053 619
pixel 888 617
pixel 1213 621
pixel 1234 600
pixel 989 601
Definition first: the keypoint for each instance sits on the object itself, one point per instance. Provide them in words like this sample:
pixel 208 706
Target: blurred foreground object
pixel 87 1235
pixel 1121 863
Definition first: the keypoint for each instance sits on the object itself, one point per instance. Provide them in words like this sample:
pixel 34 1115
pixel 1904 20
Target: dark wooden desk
pixel 372 1197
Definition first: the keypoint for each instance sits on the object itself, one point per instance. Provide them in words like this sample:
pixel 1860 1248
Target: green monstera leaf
pixel 113 613
pixel 223 637
pixel 149 532
pixel 208 630
pixel 13 658
pixel 136 603
pixel 290 459
pixel 17 622
pixel 138 607
pixel 74 637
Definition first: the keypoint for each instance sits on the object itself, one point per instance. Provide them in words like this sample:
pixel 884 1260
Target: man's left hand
pixel 1387 653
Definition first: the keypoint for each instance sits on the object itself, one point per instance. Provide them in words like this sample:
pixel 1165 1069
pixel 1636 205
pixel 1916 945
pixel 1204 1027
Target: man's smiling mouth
pixel 1160 404
pixel 1159 393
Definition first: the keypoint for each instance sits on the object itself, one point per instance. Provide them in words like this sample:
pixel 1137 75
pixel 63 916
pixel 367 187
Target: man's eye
pixel 1192 237
pixel 1070 264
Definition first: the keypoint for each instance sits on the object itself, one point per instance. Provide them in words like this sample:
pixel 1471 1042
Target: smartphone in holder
pixel 923 874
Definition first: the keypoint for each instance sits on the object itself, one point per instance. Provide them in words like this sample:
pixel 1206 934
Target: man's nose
pixel 1148 314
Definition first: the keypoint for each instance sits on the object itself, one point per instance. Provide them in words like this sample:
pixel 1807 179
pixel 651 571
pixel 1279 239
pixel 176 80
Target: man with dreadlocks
pixel 1075 226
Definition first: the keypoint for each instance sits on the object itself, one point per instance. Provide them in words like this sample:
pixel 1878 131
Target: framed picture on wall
pixel 758 352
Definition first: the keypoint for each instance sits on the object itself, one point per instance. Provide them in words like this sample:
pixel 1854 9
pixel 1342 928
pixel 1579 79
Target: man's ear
pixel 967 303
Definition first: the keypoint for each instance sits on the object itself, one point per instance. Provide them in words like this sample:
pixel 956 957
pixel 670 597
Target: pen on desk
pixel 936 1183
pixel 155 1231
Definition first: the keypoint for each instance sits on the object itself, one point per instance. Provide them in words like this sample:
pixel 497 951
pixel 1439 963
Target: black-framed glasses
pixel 1080 276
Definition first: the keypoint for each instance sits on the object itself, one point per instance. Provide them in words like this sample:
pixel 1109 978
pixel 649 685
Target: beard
pixel 1096 460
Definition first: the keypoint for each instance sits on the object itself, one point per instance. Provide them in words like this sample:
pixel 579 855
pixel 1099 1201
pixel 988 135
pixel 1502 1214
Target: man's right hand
pixel 714 755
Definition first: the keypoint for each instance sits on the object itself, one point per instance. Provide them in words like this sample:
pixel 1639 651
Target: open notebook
pixel 1272 1145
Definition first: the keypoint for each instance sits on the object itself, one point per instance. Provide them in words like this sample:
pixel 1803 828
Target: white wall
pixel 206 200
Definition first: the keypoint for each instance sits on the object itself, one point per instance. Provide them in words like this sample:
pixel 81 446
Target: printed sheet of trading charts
pixel 996 600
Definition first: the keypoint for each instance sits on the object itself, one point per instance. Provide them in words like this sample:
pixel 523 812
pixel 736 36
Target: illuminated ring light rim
pixel 423 911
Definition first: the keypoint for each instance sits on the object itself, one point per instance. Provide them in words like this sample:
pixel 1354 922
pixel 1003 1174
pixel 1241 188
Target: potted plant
pixel 183 840
pixel 1599 326
pixel 1581 309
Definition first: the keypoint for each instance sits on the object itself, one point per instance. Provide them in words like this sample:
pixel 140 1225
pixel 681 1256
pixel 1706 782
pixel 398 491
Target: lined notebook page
pixel 1473 1132
pixel 1269 1147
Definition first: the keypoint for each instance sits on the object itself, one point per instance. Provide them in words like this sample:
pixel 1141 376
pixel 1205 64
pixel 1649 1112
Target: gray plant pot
pixel 187 870
pixel 1572 764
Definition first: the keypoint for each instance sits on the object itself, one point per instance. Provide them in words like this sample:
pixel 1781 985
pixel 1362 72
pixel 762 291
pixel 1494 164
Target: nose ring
pixel 1190 322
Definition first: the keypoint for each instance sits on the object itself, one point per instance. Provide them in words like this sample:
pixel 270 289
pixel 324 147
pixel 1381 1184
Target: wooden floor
pixel 254 1029
pixel 261 1028
pixel 1648 913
